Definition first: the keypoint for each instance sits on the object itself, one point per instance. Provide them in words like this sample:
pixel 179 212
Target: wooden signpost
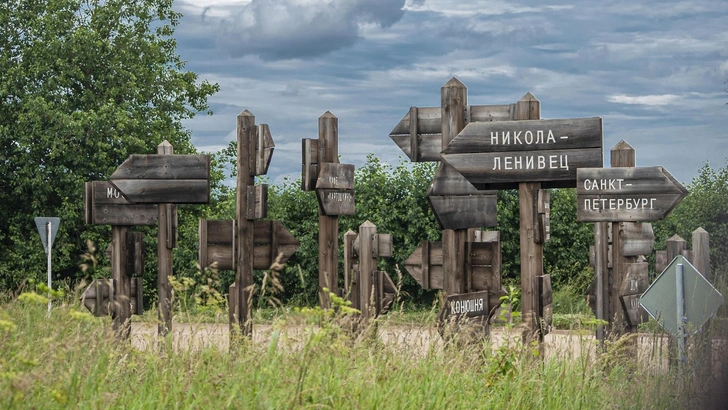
pixel 370 291
pixel 105 205
pixel 164 179
pixel 334 186
pixel 99 297
pixel 499 155
pixel 633 194
pixel 271 240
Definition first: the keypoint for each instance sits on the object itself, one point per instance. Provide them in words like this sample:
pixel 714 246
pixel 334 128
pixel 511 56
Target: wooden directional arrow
pixel 419 133
pixel 104 205
pixel 99 294
pixel 180 179
pixel 270 238
pixel 335 189
pixel 457 204
pixel 264 146
pixel 626 194
pixel 501 154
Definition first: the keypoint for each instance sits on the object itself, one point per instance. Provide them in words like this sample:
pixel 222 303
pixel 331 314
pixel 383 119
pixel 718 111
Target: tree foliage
pixel 84 84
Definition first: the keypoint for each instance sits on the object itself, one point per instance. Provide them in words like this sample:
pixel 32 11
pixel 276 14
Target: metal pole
pixel 680 317
pixel 48 252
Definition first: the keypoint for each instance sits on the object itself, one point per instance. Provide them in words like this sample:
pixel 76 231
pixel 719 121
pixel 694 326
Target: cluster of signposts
pixel 480 150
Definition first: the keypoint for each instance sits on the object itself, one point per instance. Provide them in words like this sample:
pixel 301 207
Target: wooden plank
pixel 701 253
pixel 335 176
pixel 660 261
pixel 264 147
pixel 542 215
pixel 137 296
pixel 432 258
pixel 384 245
pixel 636 281
pixel 171 225
pixel 121 311
pixel 429 118
pixel 529 108
pixel 675 246
pixel 545 302
pixel 532 136
pixel 448 181
pixel 634 313
pixel 309 172
pixel 414 154
pixel 351 288
pixel 163 167
pixel 502 169
pixel 600 302
pixel 622 155
pixel 467 211
pixel 637 239
pixel 471 304
pixel 257 201
pixel 164 254
pixel 179 191
pixel 135 249
pixel 220 231
pixel 367 266
pixel 104 205
pixel 334 202
pixel 242 325
pixel 328 151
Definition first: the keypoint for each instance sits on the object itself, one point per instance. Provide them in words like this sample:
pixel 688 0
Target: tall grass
pixel 69 359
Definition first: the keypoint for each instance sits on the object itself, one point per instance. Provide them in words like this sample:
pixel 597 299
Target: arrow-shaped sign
pixel 500 154
pixel 626 194
pixel 180 179
pixel 104 205
pixel 270 238
pixel 419 133
pixel 264 146
pixel 457 204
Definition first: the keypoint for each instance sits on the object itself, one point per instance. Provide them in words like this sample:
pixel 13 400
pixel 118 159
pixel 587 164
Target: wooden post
pixel 367 265
pixel 701 253
pixel 164 252
pixel 601 248
pixel 622 155
pixel 246 136
pixel 675 246
pixel 328 144
pixel 351 276
pixel 454 100
pixel 529 108
pixel 121 283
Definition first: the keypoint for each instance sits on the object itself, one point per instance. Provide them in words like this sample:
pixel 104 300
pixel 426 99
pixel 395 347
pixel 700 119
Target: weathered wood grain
pixel 335 176
pixel 104 205
pixel 165 167
pixel 309 172
pixel 264 147
pixel 634 313
pixel 179 191
pixel 466 211
pixel 701 253
pixel 334 202
pixel 429 118
pixel 637 239
pixel 636 281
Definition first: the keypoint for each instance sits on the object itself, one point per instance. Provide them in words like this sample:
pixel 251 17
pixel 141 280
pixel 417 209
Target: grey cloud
pixel 281 29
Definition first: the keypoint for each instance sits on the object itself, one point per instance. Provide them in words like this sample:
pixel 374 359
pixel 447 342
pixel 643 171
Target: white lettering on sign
pixel 112 193
pixel 603 184
pixel 523 138
pixel 460 307
pixel 333 180
pixel 616 204
pixel 633 285
pixel 635 303
pixel 338 196
pixel 531 162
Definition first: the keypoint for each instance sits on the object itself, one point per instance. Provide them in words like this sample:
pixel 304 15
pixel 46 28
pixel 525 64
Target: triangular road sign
pixel 42 223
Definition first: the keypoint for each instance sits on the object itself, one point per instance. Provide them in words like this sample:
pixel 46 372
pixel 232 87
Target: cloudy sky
pixel 655 71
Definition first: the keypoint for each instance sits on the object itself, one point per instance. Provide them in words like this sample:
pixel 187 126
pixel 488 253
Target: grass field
pixel 69 359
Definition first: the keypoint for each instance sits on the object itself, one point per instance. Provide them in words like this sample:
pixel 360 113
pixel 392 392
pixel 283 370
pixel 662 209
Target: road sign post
pixel 47 228
pixel 681 300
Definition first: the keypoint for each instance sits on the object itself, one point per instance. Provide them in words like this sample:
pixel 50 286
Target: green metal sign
pixel 701 299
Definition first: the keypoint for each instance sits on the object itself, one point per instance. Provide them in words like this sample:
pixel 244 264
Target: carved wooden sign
pixel 270 239
pixel 471 304
pixel 264 147
pixel 500 154
pixel 335 188
pixel 104 205
pixel 629 194
pixel 179 179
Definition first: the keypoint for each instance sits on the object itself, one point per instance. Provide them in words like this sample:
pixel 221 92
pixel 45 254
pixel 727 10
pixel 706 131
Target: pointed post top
pixel 246 113
pixel 699 230
pixel 327 114
pixel 454 82
pixel 350 232
pixel 675 238
pixel 367 224
pixel 528 97
pixel 165 148
pixel 621 146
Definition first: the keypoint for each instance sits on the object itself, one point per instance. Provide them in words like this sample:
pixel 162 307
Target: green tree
pixel 84 84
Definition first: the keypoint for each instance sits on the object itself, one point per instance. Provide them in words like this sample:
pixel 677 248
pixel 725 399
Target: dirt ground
pixel 413 340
